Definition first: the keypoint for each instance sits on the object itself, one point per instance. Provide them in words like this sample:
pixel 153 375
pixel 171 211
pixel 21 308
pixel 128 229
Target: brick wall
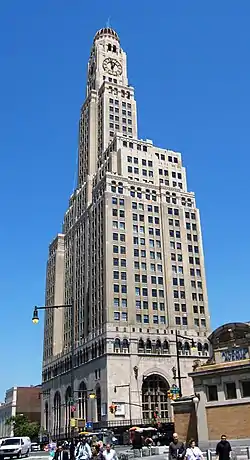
pixel 185 421
pixel 232 420
pixel 29 402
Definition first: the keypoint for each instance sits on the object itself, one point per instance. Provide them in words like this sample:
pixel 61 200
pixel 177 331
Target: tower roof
pixel 107 31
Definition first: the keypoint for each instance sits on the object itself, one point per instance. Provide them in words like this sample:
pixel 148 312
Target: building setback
pixel 20 400
pixel 130 258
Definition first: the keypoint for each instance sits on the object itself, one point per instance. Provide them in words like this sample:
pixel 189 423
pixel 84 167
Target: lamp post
pixel 193 346
pixel 127 385
pixel 35 320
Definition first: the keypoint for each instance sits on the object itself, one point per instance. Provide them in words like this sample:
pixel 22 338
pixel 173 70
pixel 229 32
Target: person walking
pixel 109 453
pixel 223 449
pixel 193 452
pixel 61 453
pixel 83 450
pixel 177 449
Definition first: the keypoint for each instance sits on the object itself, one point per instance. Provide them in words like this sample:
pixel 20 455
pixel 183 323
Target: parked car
pixel 15 447
pixel 35 447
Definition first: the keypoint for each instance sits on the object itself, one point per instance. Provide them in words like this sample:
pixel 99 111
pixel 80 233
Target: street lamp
pixel 193 347
pixel 35 320
pixel 35 317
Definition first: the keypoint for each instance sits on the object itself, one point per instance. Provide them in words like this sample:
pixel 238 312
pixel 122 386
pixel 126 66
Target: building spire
pixel 108 22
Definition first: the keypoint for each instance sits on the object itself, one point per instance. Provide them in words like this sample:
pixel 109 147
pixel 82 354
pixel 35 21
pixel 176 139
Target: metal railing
pixel 238 452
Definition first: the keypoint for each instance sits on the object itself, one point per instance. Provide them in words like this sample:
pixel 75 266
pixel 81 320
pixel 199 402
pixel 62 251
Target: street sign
pixel 89 425
pixel 72 422
pixel 73 408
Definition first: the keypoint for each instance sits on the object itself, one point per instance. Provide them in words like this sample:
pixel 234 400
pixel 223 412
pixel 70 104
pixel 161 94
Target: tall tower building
pixel 133 265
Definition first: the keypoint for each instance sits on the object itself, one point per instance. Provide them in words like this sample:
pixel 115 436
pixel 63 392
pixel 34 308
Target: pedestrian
pixel 83 451
pixel 61 453
pixel 176 448
pixel 109 453
pixel 193 452
pixel 72 449
pixel 223 449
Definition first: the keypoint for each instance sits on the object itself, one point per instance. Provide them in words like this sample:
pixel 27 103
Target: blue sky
pixel 189 63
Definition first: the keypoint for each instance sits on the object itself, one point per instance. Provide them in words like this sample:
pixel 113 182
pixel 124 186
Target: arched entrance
pixel 57 413
pixel 155 396
pixel 98 403
pixel 46 417
pixel 83 401
pixel 67 409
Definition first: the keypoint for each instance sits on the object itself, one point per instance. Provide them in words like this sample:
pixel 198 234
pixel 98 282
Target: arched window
pixel 98 402
pixel 109 47
pixel 154 397
pixel 199 346
pixel 117 345
pixel 186 347
pixel 158 345
pixel 114 49
pixel 165 346
pixel 68 396
pixel 57 413
pixel 148 344
pixel 180 346
pixel 82 401
pixel 205 348
pixel 125 344
pixel 141 345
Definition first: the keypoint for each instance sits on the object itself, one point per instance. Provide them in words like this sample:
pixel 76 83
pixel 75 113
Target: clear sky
pixel 189 63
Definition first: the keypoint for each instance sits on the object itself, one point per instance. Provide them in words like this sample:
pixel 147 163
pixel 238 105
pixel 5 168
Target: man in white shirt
pixel 83 451
pixel 109 454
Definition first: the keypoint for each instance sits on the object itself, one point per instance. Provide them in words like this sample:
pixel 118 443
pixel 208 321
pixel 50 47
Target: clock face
pixel 112 66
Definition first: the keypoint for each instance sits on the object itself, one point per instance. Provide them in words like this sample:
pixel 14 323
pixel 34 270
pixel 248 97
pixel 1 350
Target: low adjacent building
pixel 20 400
pixel 221 400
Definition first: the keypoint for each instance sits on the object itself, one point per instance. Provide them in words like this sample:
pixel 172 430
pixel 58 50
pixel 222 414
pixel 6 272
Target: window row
pixel 120 225
pixel 143 253
pixel 200 322
pixel 143 305
pixel 144 172
pixel 151 230
pixel 144 279
pixel 143 266
pixel 116 102
pixel 230 390
pixel 144 162
pixel 155 319
pixel 174 174
pixel 144 292
pixel 120 303
pixel 140 206
pixel 139 146
pixel 152 243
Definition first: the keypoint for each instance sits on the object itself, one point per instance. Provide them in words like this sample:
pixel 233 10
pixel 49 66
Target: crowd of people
pixel 178 450
pixel 84 449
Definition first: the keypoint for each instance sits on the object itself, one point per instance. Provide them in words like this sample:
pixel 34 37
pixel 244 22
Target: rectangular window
pixel 146 319
pixel 124 316
pixel 245 385
pixel 116 316
pixel 155 319
pixel 138 318
pixel 177 320
pixel 230 390
pixel 212 393
pixel 116 302
pixel 124 303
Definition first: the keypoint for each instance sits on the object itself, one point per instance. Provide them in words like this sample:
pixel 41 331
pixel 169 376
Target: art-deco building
pixel 129 258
